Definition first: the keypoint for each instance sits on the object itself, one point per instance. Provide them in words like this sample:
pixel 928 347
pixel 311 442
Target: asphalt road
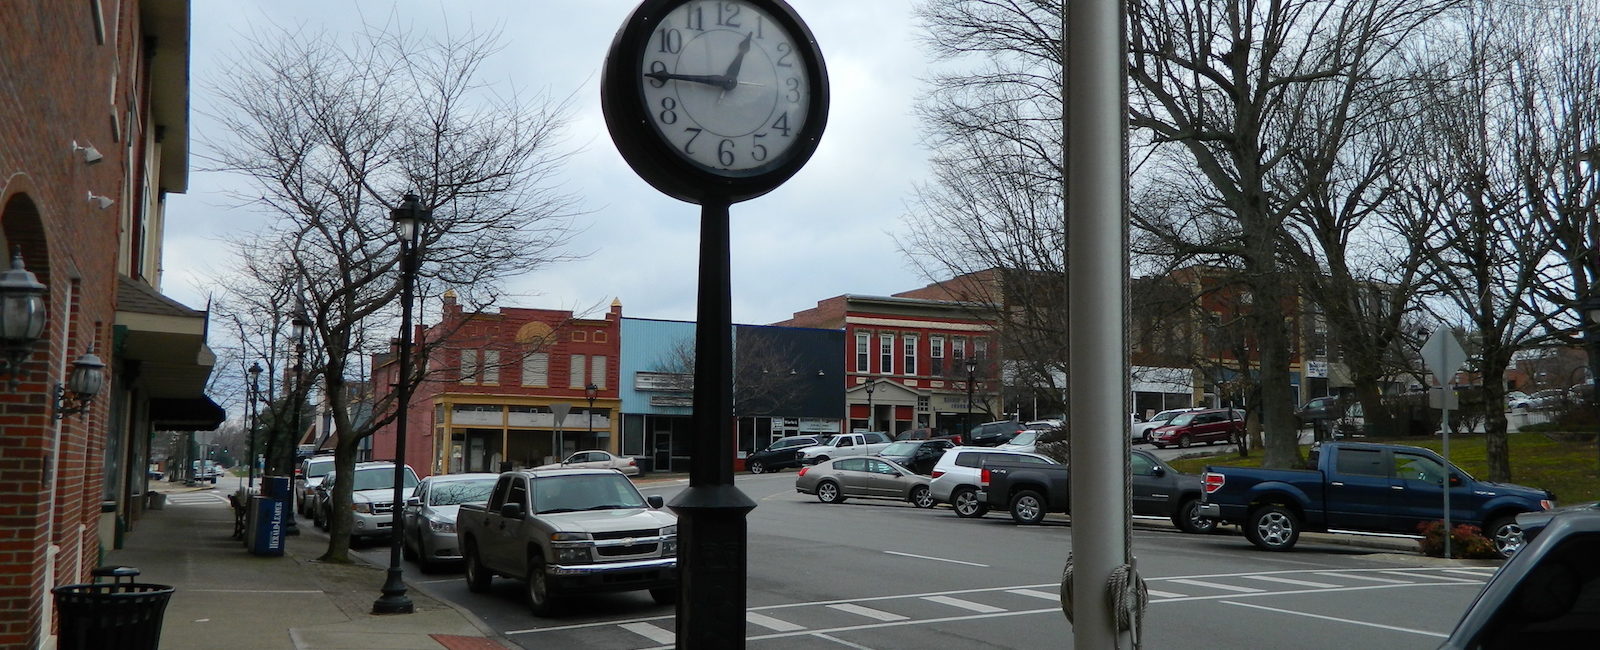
pixel 883 575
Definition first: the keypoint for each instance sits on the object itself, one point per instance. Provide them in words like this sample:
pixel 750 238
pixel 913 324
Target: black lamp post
pixel 871 415
pixel 254 391
pixel 22 316
pixel 410 217
pixel 972 375
pixel 298 325
pixel 591 391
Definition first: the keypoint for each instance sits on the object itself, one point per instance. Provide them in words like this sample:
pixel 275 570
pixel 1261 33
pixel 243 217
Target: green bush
pixel 1466 541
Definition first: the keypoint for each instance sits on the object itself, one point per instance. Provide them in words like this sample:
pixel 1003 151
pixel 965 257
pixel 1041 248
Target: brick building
pixel 93 137
pixel 507 387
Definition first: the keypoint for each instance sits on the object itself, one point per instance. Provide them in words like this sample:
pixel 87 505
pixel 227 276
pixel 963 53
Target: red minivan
pixel 1207 426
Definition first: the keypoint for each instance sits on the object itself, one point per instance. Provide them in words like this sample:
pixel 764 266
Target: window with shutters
pixel 597 371
pixel 575 371
pixel 536 370
pixel 469 366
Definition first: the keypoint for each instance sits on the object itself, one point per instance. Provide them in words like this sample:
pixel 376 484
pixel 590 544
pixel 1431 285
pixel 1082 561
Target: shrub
pixel 1466 541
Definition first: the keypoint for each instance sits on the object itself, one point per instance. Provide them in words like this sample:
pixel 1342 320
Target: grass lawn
pixel 1566 468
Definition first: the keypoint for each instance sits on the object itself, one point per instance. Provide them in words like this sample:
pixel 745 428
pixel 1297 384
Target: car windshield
pixel 377 478
pixel 1181 419
pixel 454 493
pixel 571 493
pixel 905 448
pixel 1025 438
pixel 319 468
pixel 1165 416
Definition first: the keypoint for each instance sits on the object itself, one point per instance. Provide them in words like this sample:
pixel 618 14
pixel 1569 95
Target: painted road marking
pixel 1426 576
pixel 1359 576
pixel 1292 581
pixel 964 604
pixel 1163 594
pixel 651 632
pixel 867 612
pixel 1035 593
pixel 1340 620
pixel 771 623
pixel 1476 573
pixel 936 559
pixel 1214 585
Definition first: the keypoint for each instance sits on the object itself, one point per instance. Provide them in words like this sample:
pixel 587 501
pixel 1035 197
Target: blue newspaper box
pixel 266 526
pixel 276 487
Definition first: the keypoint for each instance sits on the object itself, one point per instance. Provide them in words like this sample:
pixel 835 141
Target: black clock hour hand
pixel 731 77
pixel 707 79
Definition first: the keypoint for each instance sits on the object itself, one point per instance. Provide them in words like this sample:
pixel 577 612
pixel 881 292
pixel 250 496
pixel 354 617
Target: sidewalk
pixel 226 597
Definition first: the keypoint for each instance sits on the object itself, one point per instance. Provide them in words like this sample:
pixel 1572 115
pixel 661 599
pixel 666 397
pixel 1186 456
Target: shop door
pixel 663 455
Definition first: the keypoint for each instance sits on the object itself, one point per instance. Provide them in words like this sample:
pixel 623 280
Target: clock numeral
pixel 794 89
pixel 782 124
pixel 761 21
pixel 669 110
pixel 657 67
pixel 726 13
pixel 671 40
pixel 758 151
pixel 785 50
pixel 688 147
pixel 696 19
pixel 725 153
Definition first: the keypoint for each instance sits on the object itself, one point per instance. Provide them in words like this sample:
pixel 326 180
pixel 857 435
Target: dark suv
pixel 991 434
pixel 1207 426
pixel 916 455
pixel 779 454
pixel 926 433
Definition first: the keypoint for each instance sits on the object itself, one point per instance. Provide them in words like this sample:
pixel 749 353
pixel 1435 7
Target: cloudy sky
pixel 828 231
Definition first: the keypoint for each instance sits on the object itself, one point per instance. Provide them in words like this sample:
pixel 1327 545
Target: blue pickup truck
pixel 1368 488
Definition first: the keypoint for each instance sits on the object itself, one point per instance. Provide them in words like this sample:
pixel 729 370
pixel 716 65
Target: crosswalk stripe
pixel 964 604
pixel 1428 576
pixel 1215 585
pixel 1292 581
pixel 1476 573
pixel 651 632
pixel 1363 576
pixel 1034 593
pixel 1164 594
pixel 771 623
pixel 867 612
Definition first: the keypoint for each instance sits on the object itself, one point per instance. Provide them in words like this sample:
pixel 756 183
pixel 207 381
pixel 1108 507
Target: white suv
pixel 955 477
pixel 371 498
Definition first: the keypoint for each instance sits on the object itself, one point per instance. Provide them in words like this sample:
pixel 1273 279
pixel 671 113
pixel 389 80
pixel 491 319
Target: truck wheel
pixel 757 467
pixel 1183 441
pixel 828 492
pixel 922 497
pixel 664 595
pixel 1187 518
pixel 1027 507
pixel 966 503
pixel 538 584
pixel 1506 535
pixel 1272 528
pixel 478 578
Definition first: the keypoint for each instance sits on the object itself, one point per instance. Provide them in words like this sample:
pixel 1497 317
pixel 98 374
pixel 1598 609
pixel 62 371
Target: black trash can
pixel 122 616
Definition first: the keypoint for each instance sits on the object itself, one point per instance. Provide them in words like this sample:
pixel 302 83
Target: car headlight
pixel 363 508
pixel 669 547
pixel 438 526
pixel 570 537
pixel 572 554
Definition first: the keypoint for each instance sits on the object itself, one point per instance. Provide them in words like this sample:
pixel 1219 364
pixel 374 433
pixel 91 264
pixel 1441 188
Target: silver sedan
pixel 430 526
pixel 835 480
pixel 596 459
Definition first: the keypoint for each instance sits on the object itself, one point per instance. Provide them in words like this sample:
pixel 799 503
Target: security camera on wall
pixel 102 201
pixel 91 155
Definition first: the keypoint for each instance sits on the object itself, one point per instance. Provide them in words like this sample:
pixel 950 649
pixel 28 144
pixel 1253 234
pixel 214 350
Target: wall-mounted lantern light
pixel 87 378
pixel 22 316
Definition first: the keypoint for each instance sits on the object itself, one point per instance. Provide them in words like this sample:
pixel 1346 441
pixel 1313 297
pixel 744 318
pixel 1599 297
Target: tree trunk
pixel 1282 448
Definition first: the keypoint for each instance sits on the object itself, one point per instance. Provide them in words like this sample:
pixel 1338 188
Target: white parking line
pixel 771 623
pixel 1035 593
pixel 1340 620
pixel 964 604
pixel 867 612
pixel 1216 585
pixel 1427 576
pixel 937 559
pixel 1359 576
pixel 651 632
pixel 1476 573
pixel 1163 594
pixel 1292 581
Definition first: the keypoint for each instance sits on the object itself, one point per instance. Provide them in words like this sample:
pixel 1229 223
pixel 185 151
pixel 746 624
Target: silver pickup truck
pixel 570 530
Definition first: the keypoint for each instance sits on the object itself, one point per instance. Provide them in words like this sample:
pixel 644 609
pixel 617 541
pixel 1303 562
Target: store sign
pixel 819 425
pixel 1317 369
pixel 671 400
pixel 668 381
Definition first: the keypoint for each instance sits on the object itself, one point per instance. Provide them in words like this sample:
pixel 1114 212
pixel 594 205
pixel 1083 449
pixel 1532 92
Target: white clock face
pixel 725 85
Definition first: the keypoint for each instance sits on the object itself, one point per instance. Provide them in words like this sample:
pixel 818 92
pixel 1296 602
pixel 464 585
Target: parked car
pixel 570 530
pixel 1364 488
pixel 955 476
pixel 1548 398
pixel 1206 425
pixel 1027 441
pixel 926 433
pixel 1031 490
pixel 843 444
pixel 597 459
pixel 1140 431
pixel 863 477
pixel 430 515
pixel 991 434
pixel 779 454
pixel 306 479
pixel 1543 597
pixel 371 499
pixel 1517 401
pixel 916 455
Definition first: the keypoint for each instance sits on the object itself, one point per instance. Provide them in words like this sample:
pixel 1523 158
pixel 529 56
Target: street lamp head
pixel 410 217
pixel 972 366
pixel 1591 308
pixel 299 323
pixel 591 391
pixel 871 387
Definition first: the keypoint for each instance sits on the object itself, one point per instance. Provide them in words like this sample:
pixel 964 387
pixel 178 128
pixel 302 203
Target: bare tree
pixel 331 131
pixel 765 380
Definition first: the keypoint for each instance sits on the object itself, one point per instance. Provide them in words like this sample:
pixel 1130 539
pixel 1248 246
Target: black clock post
pixel 714 135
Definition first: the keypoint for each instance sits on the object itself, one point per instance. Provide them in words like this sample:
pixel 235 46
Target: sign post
pixel 1443 355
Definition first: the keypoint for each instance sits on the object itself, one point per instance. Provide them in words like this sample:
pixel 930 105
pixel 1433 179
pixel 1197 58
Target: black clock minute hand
pixel 731 77
pixel 707 79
